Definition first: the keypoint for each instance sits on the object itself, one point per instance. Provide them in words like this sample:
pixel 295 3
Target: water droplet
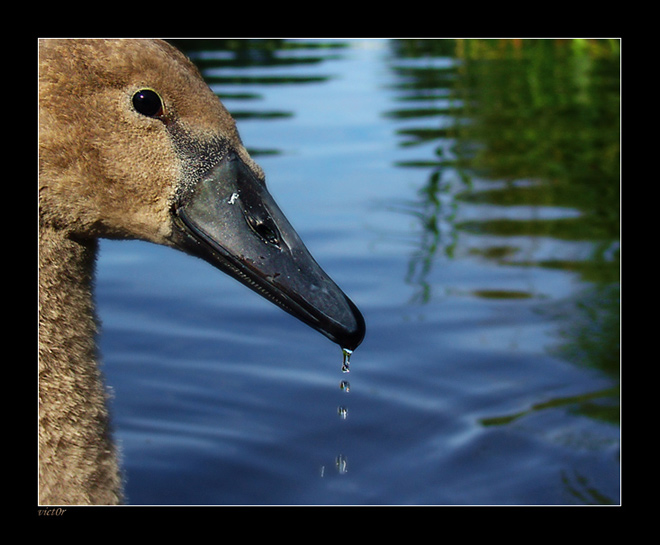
pixel 342 412
pixel 345 386
pixel 346 360
pixel 341 464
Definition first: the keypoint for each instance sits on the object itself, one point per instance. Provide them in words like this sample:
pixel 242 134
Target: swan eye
pixel 148 102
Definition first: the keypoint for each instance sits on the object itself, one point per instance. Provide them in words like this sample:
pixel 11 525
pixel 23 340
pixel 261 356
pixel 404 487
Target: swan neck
pixel 77 460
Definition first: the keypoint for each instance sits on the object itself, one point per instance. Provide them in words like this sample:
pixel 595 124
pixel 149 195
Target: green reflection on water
pixel 524 126
pixel 586 404
pixel 546 111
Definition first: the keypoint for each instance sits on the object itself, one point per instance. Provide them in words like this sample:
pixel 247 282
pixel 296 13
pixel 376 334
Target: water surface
pixel 465 195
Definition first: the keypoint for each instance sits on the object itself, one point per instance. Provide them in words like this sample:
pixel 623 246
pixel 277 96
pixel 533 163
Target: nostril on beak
pixel 264 229
pixel 267 233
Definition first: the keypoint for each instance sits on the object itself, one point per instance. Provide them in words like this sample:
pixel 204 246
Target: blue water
pixel 463 391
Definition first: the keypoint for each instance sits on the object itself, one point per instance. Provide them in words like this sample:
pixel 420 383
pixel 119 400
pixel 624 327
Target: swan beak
pixel 228 218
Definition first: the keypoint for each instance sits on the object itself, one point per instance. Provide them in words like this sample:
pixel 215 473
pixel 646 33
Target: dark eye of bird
pixel 148 102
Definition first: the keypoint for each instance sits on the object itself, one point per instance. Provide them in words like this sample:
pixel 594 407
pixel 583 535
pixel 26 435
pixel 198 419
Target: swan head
pixel 134 144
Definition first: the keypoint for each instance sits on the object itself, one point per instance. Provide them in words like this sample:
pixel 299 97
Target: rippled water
pixel 465 196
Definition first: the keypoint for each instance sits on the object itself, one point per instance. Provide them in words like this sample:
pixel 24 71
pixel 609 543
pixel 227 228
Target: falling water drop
pixel 341 464
pixel 342 411
pixel 346 360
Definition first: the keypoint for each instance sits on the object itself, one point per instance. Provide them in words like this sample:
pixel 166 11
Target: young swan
pixel 134 145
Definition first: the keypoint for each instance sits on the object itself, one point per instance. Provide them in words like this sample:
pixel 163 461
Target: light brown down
pixel 104 171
